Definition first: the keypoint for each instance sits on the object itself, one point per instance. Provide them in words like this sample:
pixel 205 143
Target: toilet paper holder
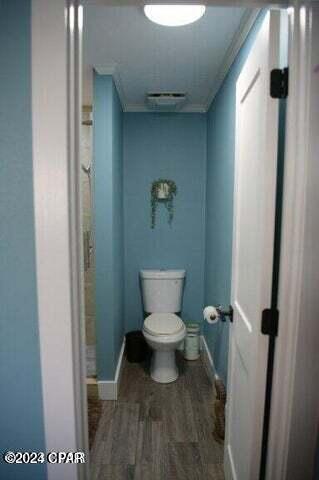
pixel 225 313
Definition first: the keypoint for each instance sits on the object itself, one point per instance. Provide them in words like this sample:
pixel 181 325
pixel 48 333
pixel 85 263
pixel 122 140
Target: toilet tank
pixel 162 290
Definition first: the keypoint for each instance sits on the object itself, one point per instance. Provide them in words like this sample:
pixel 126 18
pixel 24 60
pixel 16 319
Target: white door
pixel 254 222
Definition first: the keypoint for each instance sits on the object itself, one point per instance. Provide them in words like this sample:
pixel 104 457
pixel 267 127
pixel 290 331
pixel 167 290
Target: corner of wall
pixel 109 389
pixel 205 210
pixel 108 213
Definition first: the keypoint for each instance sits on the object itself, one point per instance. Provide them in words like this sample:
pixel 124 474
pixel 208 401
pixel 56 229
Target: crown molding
pixel 246 24
pixel 140 107
pixel 112 69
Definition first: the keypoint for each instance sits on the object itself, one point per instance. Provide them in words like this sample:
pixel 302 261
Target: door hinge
pixel 279 83
pixel 269 322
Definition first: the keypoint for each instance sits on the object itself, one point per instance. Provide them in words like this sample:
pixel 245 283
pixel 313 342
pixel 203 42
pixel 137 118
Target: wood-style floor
pixel 158 432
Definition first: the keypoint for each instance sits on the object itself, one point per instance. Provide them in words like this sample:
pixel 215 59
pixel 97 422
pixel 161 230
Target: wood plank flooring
pixel 158 432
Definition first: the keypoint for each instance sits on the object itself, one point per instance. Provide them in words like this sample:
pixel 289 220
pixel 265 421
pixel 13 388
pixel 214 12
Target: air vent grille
pixel 166 100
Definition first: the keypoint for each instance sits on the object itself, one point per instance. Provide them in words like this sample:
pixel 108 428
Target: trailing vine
pixel 170 189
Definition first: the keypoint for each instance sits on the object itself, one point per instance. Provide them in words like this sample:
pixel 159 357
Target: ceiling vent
pixel 166 100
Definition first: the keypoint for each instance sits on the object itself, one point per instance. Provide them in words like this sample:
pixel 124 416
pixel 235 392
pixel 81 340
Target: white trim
pixel 208 360
pixel 295 397
pixel 246 24
pixel 109 389
pixel 55 126
pixel 189 108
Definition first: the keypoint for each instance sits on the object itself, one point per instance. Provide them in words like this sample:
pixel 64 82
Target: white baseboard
pixel 108 389
pixel 208 361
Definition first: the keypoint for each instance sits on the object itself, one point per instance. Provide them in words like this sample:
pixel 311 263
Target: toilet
pixel 162 292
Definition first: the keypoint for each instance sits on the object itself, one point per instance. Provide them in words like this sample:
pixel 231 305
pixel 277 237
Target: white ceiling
pixel 145 57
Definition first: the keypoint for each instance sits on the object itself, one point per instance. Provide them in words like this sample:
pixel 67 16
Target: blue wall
pixel 196 151
pixel 219 202
pixel 108 218
pixel 169 146
pixel 21 416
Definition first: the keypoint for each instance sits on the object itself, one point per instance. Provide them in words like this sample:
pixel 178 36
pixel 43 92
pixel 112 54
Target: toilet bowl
pixel 163 330
pixel 163 333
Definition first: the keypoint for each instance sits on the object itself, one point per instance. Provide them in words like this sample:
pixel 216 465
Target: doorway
pixel 52 326
pixel 135 145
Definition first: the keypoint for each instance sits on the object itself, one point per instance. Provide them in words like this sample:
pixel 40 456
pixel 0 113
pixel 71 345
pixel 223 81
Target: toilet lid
pixel 163 324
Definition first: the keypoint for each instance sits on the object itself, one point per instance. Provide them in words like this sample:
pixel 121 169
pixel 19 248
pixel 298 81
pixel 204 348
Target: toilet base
pixel 163 366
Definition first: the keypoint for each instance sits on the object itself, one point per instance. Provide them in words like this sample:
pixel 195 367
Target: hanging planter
pixel 163 191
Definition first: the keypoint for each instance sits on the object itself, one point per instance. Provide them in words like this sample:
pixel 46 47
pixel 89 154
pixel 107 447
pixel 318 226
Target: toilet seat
pixel 160 324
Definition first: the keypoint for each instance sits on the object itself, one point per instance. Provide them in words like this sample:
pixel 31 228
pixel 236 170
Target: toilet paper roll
pixel 211 315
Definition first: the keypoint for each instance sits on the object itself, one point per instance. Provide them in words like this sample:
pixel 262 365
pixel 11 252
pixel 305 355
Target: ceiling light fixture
pixel 174 15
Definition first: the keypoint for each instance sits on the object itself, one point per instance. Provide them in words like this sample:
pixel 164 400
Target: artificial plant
pixel 168 201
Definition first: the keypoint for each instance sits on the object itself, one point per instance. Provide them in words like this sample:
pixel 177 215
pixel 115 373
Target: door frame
pixel 292 447
pixel 56 111
pixel 56 32
pixel 273 56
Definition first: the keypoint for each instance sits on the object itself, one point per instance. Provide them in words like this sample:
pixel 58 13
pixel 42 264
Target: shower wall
pixel 88 257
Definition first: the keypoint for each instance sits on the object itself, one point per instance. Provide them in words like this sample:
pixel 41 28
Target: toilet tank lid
pixel 160 274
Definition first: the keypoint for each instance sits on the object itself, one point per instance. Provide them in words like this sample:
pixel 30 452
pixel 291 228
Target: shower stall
pixel 88 240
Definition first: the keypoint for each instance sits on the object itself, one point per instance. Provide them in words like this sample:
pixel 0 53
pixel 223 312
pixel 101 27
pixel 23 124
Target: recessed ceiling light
pixel 174 15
